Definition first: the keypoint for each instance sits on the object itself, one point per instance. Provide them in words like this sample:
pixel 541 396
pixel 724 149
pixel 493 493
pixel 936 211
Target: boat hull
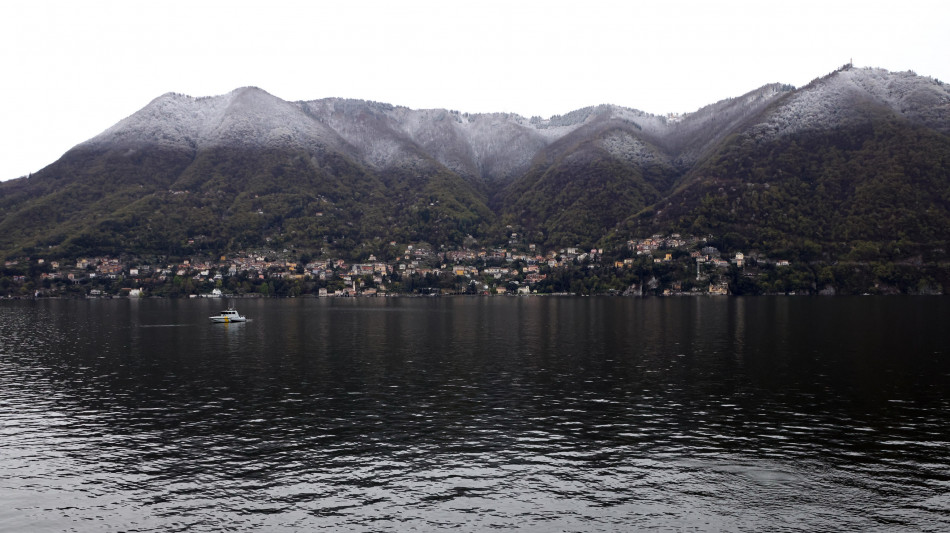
pixel 227 320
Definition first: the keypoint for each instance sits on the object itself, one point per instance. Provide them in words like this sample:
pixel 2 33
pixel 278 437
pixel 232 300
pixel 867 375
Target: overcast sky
pixel 73 68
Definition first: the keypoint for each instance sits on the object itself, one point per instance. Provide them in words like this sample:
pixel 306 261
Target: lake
pixel 474 413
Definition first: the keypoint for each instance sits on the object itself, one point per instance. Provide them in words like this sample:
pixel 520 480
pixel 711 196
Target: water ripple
pixel 455 420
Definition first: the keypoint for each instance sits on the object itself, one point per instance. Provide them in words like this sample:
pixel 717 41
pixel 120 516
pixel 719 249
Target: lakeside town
pixel 657 265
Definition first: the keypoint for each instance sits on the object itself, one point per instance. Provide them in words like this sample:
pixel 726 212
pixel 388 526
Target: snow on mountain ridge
pixel 171 120
pixel 254 117
pixel 489 146
pixel 247 116
pixel 828 102
pixel 494 146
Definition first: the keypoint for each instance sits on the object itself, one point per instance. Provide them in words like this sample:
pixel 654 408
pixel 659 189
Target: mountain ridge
pixel 247 167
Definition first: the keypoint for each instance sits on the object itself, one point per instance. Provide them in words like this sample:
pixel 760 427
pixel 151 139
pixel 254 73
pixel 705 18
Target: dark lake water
pixel 532 413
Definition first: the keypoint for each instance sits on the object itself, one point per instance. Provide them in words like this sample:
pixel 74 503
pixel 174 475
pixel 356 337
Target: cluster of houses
pixel 493 269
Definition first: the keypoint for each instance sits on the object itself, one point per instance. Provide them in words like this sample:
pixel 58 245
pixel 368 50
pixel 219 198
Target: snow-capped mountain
pixel 844 96
pixel 246 117
pixel 500 147
pixel 247 166
pixel 492 147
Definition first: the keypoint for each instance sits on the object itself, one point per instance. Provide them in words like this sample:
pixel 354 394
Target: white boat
pixel 227 316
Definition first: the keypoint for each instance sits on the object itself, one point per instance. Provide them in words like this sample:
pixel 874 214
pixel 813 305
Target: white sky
pixel 73 68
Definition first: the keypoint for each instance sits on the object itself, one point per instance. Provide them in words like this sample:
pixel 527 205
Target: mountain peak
pixel 247 116
pixel 849 95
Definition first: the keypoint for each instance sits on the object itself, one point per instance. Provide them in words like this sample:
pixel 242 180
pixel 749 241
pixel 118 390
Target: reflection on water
pixel 537 413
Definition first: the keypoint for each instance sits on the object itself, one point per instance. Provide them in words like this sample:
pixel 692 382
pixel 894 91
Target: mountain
pixel 856 160
pixel 617 162
pixel 232 171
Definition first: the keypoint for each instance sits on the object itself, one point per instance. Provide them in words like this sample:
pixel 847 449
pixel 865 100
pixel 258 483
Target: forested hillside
pixel 854 166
